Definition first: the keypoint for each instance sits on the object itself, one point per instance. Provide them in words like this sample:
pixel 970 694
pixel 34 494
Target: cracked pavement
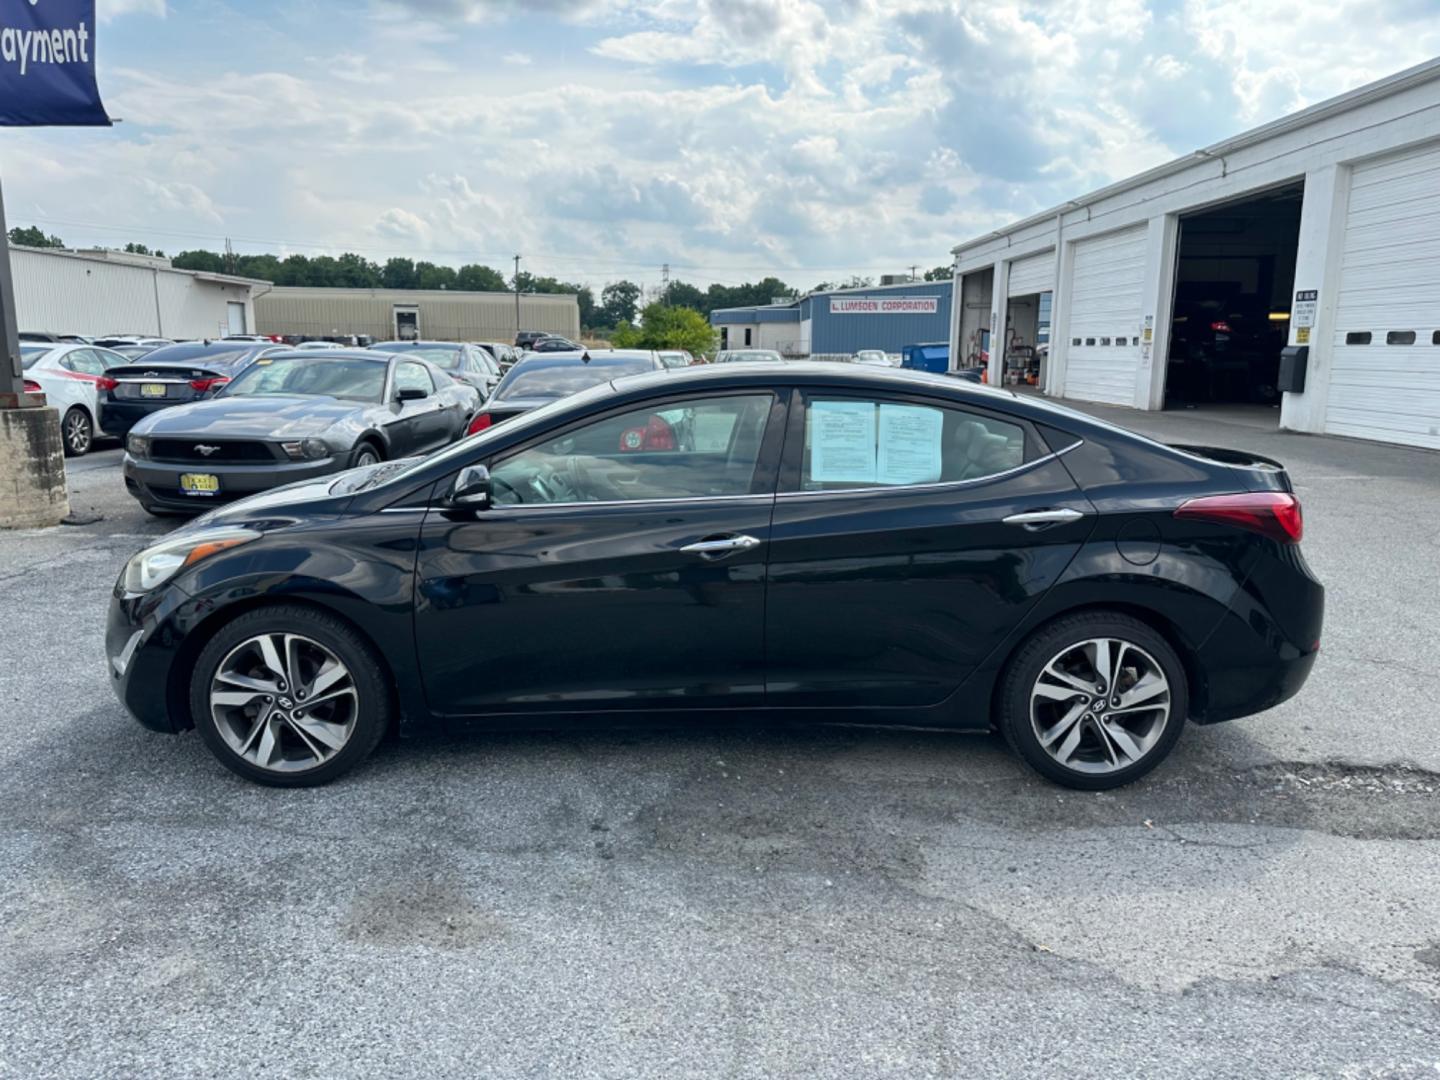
pixel 732 900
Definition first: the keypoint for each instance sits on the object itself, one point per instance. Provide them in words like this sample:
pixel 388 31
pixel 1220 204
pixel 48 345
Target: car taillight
pixel 1275 514
pixel 205 385
pixel 104 382
pixel 32 387
pixel 1220 326
pixel 479 424
pixel 657 434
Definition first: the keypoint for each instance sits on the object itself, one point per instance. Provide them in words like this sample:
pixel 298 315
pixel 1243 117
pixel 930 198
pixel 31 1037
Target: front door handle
pixel 1035 519
pixel 721 545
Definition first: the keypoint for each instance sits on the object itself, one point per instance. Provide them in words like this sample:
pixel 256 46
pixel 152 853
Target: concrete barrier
pixel 32 468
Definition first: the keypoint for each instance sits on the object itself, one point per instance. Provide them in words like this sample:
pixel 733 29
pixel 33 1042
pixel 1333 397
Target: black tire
pixel 372 711
pixel 1048 643
pixel 77 432
pixel 362 451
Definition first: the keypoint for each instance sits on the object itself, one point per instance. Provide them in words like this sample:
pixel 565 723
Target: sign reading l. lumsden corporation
pixel 47 64
pixel 884 305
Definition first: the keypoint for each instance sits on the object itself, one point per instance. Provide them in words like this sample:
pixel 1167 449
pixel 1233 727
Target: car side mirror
pixel 472 488
pixel 410 393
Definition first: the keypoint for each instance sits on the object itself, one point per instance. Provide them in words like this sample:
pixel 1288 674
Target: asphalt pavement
pixel 730 900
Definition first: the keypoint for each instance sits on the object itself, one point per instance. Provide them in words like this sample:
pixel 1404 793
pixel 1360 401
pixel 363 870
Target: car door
pixel 620 566
pixel 911 534
pixel 422 420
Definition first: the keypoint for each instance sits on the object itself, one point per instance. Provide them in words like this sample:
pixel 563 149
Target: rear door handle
pixel 721 545
pixel 1034 519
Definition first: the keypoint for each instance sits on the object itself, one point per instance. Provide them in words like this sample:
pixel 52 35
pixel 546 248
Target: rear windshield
pixel 311 376
pixel 31 353
pixel 441 357
pixel 196 352
pixel 561 380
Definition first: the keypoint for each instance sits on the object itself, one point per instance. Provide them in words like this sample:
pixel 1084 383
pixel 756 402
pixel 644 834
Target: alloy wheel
pixel 77 433
pixel 366 457
pixel 1100 705
pixel 284 702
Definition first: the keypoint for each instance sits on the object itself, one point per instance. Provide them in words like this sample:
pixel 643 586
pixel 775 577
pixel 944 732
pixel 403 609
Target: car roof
pixel 374 355
pixel 574 356
pixel 418 344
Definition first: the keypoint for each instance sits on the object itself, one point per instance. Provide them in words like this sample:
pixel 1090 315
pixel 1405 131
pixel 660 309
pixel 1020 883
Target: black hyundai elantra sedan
pixel 831 542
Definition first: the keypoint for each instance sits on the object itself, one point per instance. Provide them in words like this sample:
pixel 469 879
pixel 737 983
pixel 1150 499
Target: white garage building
pixel 1182 285
pixel 114 292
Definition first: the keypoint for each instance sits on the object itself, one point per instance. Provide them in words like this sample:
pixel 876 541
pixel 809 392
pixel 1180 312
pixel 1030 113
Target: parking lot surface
pixel 733 900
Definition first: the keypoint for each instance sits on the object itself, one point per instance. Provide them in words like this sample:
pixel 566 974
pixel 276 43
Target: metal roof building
pixel 394 314
pixel 1294 268
pixel 114 292
pixel 840 322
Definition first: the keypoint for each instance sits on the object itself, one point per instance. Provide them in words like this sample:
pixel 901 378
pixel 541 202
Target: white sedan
pixel 69 376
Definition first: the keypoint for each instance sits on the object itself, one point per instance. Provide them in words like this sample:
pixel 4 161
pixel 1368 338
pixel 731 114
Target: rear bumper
pixel 1266 645
pixel 158 483
pixel 118 417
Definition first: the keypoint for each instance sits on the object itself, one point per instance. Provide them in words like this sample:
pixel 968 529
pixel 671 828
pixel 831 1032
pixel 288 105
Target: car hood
pixel 258 417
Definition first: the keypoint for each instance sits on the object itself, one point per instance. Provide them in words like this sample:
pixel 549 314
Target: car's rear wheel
pixel 289 696
pixel 1094 701
pixel 77 432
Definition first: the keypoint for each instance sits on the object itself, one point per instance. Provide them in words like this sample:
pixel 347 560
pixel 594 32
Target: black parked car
pixel 172 375
pixel 555 345
pixel 467 363
pixel 289 417
pixel 540 379
pixel 818 541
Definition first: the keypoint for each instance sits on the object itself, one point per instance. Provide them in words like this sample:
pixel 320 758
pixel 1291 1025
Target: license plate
pixel 194 483
pixel 152 389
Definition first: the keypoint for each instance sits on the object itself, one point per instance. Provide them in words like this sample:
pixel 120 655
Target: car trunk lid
pixel 1255 472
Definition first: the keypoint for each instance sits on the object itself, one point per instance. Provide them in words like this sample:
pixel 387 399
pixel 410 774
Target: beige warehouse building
pixel 402 314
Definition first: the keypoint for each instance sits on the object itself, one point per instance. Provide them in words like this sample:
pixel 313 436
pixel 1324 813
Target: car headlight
pixel 139 446
pixel 306 449
pixel 156 565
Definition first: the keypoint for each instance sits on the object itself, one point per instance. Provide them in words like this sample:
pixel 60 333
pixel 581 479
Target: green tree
pixel 683 294
pixel 358 272
pixel 590 313
pixel 430 276
pixel 940 273
pixel 141 249
pixel 474 277
pixel 207 261
pixel 665 327
pixel 398 273
pixel 33 236
pixel 620 300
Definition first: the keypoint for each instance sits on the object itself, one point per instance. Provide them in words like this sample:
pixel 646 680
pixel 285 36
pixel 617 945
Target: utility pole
pixel 665 283
pixel 517 297
pixel 912 272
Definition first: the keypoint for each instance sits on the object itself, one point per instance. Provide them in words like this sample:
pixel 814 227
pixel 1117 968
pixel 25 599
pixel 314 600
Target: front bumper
pixel 140 649
pixel 158 483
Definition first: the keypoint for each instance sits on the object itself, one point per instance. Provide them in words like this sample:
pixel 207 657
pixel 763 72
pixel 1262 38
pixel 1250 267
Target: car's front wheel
pixel 1094 700
pixel 289 696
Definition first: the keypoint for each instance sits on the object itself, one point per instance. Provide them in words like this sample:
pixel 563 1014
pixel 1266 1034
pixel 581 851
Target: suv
pixel 525 338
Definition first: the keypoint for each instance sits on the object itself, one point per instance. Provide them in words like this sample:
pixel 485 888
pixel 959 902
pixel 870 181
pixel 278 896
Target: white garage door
pixel 1032 274
pixel 1103 354
pixel 1385 376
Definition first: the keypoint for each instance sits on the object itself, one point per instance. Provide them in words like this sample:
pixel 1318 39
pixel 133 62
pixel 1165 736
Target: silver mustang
pixel 289 417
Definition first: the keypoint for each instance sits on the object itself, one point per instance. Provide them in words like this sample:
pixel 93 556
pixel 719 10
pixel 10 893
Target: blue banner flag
pixel 47 64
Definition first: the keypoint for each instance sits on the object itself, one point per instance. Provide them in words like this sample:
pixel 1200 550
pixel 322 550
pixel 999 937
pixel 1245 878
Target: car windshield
pixel 29 354
pixel 311 376
pixel 562 380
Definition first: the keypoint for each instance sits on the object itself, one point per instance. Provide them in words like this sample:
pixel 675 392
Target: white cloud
pixel 105 10
pixel 729 138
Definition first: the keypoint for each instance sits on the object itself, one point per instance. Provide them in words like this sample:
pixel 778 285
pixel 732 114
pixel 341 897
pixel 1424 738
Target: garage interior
pixel 1235 279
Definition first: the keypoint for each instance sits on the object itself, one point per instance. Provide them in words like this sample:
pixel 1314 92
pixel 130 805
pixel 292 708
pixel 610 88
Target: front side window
pixel 859 443
pixel 677 450
pixel 409 376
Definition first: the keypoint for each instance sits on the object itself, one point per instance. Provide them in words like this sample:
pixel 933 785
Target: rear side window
pixel 855 443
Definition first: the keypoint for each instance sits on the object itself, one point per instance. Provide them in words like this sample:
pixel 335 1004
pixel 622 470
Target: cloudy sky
pixel 602 138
